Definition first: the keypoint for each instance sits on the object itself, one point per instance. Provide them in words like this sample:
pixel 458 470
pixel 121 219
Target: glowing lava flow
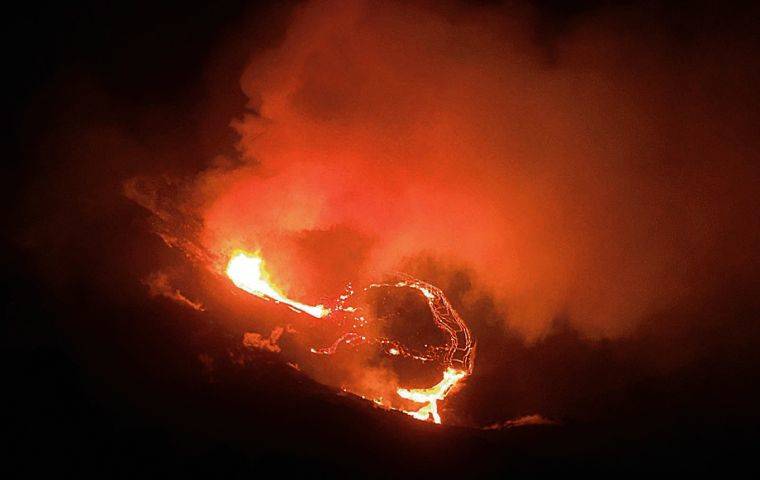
pixel 431 396
pixel 457 355
pixel 247 272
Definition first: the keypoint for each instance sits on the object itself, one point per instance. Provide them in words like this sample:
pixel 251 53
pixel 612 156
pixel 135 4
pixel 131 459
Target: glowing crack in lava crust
pixel 247 271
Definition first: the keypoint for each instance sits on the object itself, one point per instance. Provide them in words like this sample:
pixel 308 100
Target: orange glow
pixel 247 272
pixel 431 396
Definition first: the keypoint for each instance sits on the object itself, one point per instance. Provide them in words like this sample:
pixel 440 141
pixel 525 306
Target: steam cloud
pixel 585 176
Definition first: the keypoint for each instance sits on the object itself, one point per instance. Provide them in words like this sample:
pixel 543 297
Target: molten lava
pixel 248 273
pixel 431 396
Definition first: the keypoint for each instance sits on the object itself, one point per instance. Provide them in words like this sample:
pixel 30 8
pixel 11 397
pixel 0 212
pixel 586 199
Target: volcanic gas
pixel 546 184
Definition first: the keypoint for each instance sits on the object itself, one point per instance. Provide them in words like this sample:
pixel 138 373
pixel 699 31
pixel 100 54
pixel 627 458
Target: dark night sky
pixel 102 380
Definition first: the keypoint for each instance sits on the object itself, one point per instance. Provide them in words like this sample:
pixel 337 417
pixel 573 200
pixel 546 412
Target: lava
pixel 431 396
pixel 247 272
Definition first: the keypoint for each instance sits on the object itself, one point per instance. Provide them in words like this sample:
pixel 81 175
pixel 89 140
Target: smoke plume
pixel 585 175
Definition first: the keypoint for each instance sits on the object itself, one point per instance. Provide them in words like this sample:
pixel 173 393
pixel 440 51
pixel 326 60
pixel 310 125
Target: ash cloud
pixel 604 174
